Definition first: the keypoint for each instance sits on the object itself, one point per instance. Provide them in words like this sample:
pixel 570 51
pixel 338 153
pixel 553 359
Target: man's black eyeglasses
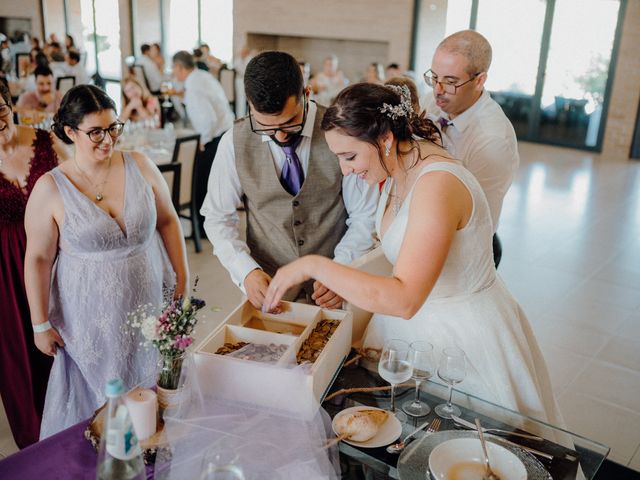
pixel 291 129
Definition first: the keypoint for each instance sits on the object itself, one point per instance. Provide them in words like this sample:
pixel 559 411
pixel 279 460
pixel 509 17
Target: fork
pixel 433 428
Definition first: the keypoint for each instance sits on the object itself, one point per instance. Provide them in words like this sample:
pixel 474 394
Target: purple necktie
pixel 292 175
pixel 444 123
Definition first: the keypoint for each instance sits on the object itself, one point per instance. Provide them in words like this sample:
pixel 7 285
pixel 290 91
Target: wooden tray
pixel 153 448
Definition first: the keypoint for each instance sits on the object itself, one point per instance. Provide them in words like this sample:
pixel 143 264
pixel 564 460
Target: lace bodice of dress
pixel 88 229
pixel 469 265
pixel 13 200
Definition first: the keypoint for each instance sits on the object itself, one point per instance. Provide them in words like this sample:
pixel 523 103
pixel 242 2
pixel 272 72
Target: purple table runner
pixel 66 455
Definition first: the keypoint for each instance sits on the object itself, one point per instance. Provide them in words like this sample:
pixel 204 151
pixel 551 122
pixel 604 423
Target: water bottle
pixel 120 456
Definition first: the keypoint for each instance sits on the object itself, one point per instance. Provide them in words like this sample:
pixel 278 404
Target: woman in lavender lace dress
pixel 103 239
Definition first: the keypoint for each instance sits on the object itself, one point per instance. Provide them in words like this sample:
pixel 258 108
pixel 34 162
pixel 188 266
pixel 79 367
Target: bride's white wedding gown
pixel 471 308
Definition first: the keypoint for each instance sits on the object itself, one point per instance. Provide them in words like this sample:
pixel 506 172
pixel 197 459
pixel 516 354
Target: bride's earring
pixel 387 149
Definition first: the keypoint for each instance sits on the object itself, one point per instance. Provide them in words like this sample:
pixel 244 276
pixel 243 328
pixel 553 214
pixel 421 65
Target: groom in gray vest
pixel 276 164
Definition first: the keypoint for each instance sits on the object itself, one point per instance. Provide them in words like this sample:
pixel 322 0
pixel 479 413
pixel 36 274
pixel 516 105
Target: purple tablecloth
pixel 66 455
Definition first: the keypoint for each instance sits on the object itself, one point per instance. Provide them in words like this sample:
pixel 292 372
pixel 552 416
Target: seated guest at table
pixel 139 104
pixel 393 70
pixel 276 163
pixel 435 225
pixel 70 44
pixel 209 111
pixel 151 70
pixel 329 81
pixel 199 60
pixel 155 53
pixel 474 128
pixel 75 69
pixel 106 219
pixel 45 98
pixel 214 64
pixel 374 74
pixel 25 154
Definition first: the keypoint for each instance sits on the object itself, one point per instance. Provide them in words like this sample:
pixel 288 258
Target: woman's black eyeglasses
pixel 96 135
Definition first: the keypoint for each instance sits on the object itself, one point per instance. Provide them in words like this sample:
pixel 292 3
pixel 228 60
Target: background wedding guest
pixel 155 52
pixel 25 155
pixel 276 163
pixel 214 64
pixel 435 228
pixel 329 81
pixel 138 103
pixel 374 74
pixel 70 44
pixel 75 69
pixel 474 127
pixel 106 219
pixel 151 69
pixel 198 59
pixel 240 63
pixel 393 70
pixel 209 112
pixel 45 98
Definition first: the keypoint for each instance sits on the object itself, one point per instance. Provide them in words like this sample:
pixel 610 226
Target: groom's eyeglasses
pixel 289 129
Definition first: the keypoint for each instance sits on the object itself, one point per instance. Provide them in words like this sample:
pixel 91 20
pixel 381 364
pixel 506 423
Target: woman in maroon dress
pixel 25 154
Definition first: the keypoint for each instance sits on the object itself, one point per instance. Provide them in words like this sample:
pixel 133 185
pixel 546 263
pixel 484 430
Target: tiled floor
pixel 571 235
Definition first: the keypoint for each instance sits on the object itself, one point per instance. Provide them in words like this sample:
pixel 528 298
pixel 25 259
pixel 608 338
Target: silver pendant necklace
pixel 97 187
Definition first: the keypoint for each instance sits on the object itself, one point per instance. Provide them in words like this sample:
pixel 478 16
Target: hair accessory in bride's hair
pixel 404 108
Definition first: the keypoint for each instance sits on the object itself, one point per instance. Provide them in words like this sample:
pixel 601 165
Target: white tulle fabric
pixel 266 444
pixel 471 308
pixel 102 274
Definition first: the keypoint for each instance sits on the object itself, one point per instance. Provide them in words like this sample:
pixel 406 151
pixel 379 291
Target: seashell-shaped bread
pixel 360 426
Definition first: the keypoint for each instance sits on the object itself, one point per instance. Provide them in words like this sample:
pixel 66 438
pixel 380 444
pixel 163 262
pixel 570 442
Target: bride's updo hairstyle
pixel 78 102
pixel 368 111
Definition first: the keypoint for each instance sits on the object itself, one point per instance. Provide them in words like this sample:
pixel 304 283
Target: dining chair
pixel 64 84
pixel 186 152
pixel 172 173
pixel 227 78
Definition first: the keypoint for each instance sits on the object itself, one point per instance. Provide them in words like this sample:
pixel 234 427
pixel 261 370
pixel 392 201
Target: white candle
pixel 143 407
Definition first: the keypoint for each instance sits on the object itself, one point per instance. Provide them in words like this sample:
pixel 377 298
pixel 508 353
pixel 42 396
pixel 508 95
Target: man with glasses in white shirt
pixel 276 163
pixel 474 128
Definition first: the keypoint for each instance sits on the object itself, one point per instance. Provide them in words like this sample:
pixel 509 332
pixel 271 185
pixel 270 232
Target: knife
pixel 471 426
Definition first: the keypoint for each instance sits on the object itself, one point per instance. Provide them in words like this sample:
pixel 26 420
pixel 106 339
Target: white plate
pixel 468 451
pixel 388 432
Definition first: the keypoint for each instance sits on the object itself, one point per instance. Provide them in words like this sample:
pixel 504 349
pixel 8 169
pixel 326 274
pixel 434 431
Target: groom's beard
pixel 290 141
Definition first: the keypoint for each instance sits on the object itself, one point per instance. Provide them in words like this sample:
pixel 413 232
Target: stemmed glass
pixel 395 367
pixel 451 370
pixel 220 463
pixel 421 357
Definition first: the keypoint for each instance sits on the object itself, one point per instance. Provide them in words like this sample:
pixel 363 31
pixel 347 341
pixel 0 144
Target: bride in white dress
pixel 434 224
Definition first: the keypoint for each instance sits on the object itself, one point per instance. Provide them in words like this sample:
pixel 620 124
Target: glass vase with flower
pixel 171 332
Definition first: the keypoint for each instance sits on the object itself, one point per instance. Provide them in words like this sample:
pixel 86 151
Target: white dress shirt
pixel 483 138
pixel 151 71
pixel 207 105
pixel 224 195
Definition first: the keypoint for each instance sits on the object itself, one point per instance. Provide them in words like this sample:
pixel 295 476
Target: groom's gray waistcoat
pixel 280 227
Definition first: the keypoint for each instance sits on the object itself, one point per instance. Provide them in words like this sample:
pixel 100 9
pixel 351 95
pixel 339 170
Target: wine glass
pixel 421 357
pixel 166 88
pixel 451 370
pixel 394 366
pixel 220 463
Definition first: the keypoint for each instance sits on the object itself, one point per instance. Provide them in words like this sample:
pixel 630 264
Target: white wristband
pixel 41 327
